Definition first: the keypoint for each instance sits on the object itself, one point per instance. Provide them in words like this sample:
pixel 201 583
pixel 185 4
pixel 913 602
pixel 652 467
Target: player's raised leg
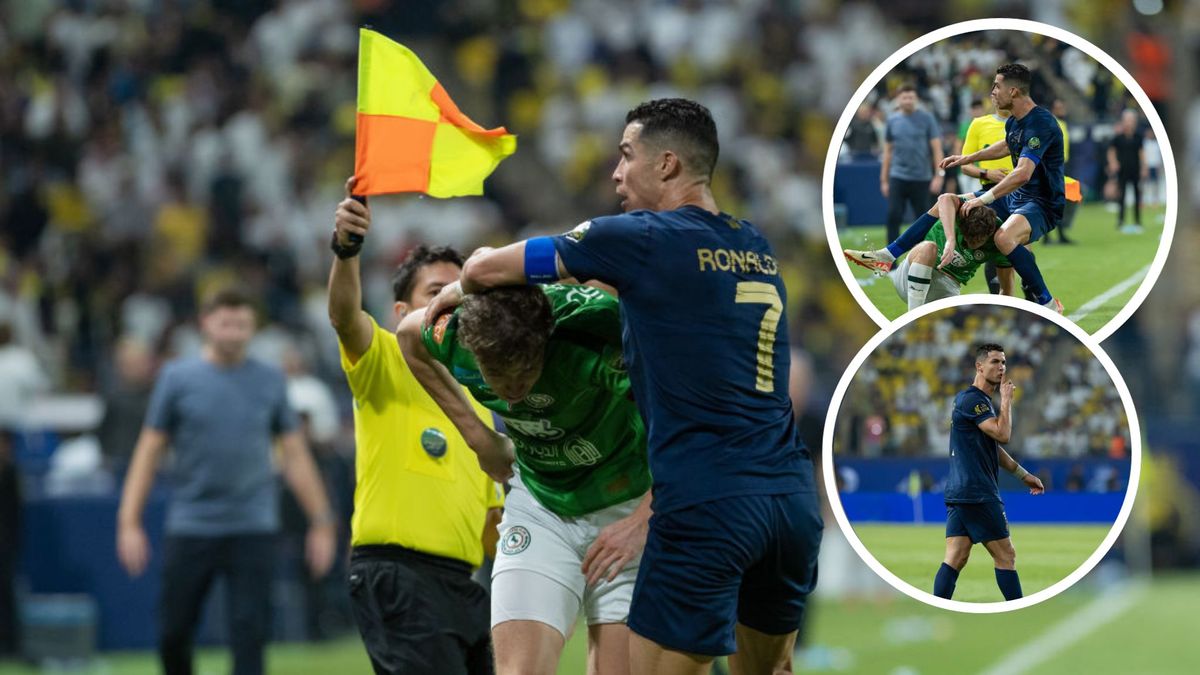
pixel 881 260
pixel 1004 555
pixel 1011 239
pixel 958 551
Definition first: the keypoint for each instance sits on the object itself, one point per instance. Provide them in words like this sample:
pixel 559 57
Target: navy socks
pixel 914 235
pixel 947 577
pixel 1023 261
pixel 1009 583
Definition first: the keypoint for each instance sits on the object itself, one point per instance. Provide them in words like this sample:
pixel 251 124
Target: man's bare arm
pixel 494 450
pixel 994 151
pixel 133 548
pixel 346 315
pixel 436 380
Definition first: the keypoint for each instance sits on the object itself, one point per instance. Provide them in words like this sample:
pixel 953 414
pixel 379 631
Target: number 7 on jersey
pixel 759 292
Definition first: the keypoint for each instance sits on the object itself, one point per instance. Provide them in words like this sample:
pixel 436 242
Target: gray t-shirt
pixel 909 135
pixel 221 422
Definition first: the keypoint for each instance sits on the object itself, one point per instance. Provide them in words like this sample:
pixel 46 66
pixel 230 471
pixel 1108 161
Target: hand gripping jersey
pixel 580 442
pixel 966 260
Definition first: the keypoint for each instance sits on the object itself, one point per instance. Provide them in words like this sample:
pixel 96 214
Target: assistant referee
pixel 423 509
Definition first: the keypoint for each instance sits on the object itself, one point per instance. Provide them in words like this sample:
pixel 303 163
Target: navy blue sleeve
pixel 160 414
pixel 1037 140
pixel 611 249
pixel 975 407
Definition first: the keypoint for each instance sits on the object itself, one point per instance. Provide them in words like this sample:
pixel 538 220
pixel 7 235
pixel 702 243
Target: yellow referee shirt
pixel 417 484
pixel 984 131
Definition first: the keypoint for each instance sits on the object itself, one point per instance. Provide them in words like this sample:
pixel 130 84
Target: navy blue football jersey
pixel 705 340
pixel 1038 137
pixel 974 456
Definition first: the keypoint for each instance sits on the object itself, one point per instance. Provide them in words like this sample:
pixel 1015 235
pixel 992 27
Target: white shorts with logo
pixel 941 285
pixel 538 572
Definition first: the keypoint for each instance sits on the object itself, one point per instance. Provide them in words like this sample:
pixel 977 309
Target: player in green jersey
pixel 547 360
pixel 919 281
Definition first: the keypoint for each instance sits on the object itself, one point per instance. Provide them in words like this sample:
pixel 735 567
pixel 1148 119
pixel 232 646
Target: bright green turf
pixel 1101 258
pixel 892 634
pixel 1045 555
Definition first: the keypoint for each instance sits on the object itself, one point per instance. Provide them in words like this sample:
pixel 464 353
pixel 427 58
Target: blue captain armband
pixel 541 266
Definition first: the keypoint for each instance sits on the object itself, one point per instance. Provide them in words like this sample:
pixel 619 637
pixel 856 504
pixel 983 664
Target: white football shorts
pixel 538 574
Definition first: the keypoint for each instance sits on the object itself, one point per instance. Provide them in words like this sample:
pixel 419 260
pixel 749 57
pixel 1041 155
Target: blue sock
pixel 1025 265
pixel 943 583
pixel 1009 583
pixel 914 235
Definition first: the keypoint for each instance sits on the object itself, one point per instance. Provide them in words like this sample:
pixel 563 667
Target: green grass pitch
pixel 1100 259
pixel 1045 555
pixel 1152 633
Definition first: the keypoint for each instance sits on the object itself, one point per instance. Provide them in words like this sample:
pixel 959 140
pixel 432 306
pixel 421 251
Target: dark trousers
pixel 902 193
pixel 190 565
pixel 419 614
pixel 1123 180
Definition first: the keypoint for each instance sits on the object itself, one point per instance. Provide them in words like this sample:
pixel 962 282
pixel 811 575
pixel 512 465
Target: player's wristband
pixel 541 266
pixel 987 197
pixel 1020 473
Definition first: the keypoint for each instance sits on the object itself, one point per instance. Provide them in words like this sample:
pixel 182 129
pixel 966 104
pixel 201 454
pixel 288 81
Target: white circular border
pixel 1160 133
pixel 896 582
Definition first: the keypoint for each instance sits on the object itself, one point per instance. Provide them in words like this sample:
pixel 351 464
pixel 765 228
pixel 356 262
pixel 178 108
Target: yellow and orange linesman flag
pixel 410 137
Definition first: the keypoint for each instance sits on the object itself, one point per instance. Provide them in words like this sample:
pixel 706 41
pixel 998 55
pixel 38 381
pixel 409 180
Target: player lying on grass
pixel 548 361
pixel 974 510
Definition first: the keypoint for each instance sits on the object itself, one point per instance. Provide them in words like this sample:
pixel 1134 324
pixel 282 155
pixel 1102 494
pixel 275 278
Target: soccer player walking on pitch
pixel 974 510
pixel 732 547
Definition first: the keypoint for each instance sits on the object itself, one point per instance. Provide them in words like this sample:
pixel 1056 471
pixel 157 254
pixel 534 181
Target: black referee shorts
pixel 419 614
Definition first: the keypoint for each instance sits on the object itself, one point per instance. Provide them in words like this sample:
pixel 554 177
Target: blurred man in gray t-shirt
pixel 221 413
pixel 912 149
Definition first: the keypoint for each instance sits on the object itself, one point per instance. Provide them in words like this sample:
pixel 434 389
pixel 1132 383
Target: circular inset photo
pixel 985 457
pixel 1003 157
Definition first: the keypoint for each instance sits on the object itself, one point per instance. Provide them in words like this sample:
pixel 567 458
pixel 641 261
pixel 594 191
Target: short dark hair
pixel 406 274
pixel 231 298
pixel 904 87
pixel 1016 75
pixel 979 225
pixel 986 348
pixel 682 126
pixel 506 328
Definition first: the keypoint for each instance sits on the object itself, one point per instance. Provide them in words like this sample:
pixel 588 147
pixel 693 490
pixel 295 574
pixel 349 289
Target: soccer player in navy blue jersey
pixel 974 510
pixel 731 553
pixel 1031 197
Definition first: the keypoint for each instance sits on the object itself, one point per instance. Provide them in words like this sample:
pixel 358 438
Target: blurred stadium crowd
pixel 953 79
pixel 154 151
pixel 1066 405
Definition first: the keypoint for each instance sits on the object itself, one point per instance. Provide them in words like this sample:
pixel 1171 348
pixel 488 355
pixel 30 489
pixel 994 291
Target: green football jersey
pixel 580 441
pixel 966 260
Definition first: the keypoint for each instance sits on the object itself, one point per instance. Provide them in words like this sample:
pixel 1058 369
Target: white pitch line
pixel 1078 625
pixel 1095 303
